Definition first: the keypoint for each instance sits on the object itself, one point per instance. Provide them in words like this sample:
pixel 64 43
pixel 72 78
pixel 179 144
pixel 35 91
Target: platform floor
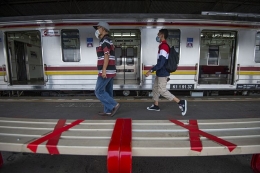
pixel 135 109
pixel 79 108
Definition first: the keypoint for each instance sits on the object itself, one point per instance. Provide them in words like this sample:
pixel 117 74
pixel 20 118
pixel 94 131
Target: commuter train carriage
pixel 59 53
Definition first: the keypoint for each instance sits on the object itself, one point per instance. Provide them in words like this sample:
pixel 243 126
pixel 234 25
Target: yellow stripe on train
pixel 2 73
pixel 249 73
pixel 178 72
pixel 71 72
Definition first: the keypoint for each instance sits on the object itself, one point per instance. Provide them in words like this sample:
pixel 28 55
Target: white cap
pixel 103 24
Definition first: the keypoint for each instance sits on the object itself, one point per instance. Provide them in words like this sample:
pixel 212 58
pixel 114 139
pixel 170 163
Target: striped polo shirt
pixel 106 47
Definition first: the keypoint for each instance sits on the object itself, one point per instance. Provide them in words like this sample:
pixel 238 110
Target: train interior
pixel 127 53
pixel 24 52
pixel 217 57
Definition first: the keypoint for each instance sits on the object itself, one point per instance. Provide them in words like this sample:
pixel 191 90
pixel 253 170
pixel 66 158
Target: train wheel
pixel 126 92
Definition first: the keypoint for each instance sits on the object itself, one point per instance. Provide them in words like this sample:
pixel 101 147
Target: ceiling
pixel 11 8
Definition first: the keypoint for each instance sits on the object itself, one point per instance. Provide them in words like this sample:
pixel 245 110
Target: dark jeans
pixel 104 92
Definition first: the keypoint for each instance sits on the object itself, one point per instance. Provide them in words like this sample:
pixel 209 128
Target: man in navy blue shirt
pixel 159 87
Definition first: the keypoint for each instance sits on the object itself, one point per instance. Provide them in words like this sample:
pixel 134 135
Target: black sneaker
pixel 153 108
pixel 183 107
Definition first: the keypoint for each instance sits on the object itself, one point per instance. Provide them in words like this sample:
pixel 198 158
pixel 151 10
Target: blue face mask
pixel 158 39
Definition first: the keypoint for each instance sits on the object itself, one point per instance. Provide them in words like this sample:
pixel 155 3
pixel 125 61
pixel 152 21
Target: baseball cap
pixel 103 24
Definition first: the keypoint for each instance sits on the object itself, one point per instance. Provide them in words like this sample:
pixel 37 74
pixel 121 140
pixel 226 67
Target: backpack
pixel 173 60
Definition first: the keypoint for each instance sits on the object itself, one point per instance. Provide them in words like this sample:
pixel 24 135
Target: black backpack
pixel 173 60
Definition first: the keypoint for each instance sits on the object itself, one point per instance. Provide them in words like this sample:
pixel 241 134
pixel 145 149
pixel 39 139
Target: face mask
pixel 97 34
pixel 158 39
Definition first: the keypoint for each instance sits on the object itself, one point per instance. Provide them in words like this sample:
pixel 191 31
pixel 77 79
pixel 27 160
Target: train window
pixel 174 39
pixel 257 48
pixel 213 55
pixel 130 52
pixel 118 55
pixel 70 45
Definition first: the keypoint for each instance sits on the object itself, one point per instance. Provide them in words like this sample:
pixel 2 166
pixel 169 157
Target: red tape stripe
pixel 34 145
pixel 114 147
pixel 126 148
pixel 230 145
pixel 1 160
pixel 195 141
pixel 119 158
pixel 52 143
pixel 255 163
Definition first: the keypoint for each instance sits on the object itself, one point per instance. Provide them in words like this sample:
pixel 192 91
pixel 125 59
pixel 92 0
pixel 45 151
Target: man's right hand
pixel 147 74
pixel 104 74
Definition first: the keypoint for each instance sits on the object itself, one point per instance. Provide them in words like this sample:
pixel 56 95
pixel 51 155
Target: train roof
pixel 138 17
pixel 49 7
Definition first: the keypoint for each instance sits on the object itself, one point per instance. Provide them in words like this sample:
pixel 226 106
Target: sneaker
pixel 115 109
pixel 153 108
pixel 183 107
pixel 104 114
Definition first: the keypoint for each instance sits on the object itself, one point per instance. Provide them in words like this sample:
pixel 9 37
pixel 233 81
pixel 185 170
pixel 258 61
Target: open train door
pixel 24 56
pixel 216 69
pixel 127 55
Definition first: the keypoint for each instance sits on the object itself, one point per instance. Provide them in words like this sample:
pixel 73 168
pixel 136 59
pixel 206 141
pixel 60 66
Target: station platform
pixel 131 107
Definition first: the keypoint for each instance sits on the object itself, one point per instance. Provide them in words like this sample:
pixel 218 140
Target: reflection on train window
pixel 129 56
pixel 257 48
pixel 118 55
pixel 174 39
pixel 70 45
pixel 130 52
pixel 130 61
pixel 213 55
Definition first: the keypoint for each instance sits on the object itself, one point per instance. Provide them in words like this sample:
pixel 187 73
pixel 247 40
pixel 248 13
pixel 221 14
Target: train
pixel 55 53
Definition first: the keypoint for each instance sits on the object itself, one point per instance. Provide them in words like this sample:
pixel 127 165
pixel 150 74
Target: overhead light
pixel 123 34
pixel 215 13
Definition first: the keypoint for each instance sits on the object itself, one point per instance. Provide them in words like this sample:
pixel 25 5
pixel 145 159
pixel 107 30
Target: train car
pixel 59 52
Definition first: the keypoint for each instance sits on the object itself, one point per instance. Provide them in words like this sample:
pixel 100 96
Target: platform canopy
pixel 11 8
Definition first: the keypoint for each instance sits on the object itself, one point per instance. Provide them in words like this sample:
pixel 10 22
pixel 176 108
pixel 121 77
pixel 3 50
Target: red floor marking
pixel 52 143
pixel 195 141
pixel 126 148
pixel 119 158
pixel 114 147
pixel 230 145
pixel 34 145
pixel 1 160
pixel 255 163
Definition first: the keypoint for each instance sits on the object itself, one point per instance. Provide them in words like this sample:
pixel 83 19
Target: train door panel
pixel 24 58
pixel 248 62
pixel 127 55
pixel 217 58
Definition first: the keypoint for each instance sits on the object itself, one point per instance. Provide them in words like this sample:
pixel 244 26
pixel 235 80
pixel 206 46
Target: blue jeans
pixel 104 92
